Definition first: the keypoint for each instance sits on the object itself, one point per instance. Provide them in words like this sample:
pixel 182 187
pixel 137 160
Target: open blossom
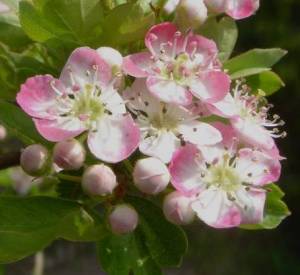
pixel 179 66
pixel 237 9
pixel 249 118
pixel 165 127
pixel 229 191
pixel 83 99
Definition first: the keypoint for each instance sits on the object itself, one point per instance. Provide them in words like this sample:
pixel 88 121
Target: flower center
pixel 164 122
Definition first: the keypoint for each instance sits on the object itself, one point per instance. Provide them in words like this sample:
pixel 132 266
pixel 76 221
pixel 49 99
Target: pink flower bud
pixel 191 14
pixel 35 160
pixel 177 208
pixel 69 154
pixel 99 180
pixel 3 133
pixel 151 175
pixel 123 219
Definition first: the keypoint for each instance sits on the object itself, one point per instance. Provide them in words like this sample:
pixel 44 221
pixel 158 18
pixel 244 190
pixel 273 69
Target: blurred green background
pixel 239 252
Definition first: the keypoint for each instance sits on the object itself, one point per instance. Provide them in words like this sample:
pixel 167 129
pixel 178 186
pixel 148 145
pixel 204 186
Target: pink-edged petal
pixel 162 146
pixel 37 97
pixel 254 203
pixel 211 86
pixel 139 98
pixel 168 91
pixel 257 167
pixel 111 56
pixel 116 138
pixel 213 208
pixel 82 66
pixel 253 133
pixel 199 133
pixel 200 47
pixel 211 153
pixel 138 65
pixel 229 135
pixel 184 170
pixel 239 9
pixel 225 107
pixel 58 130
pixel 165 33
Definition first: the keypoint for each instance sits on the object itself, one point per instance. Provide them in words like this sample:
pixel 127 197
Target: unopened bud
pixel 69 154
pixel 3 133
pixel 151 176
pixel 35 160
pixel 191 14
pixel 99 180
pixel 21 182
pixel 123 219
pixel 177 209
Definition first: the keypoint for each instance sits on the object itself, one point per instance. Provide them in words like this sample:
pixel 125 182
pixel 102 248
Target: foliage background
pixel 238 252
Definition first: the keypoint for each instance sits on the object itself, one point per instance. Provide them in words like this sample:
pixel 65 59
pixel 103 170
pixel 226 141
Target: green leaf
pixel 224 32
pixel 253 62
pixel 275 210
pixel 166 242
pixel 268 82
pixel 66 20
pixel 30 224
pixel 127 254
pixel 19 124
pixel 5 177
pixel 125 24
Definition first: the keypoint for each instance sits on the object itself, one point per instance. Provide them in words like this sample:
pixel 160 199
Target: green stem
pixel 69 178
pixel 128 166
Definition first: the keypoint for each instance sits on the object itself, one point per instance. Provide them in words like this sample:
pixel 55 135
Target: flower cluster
pixel 218 170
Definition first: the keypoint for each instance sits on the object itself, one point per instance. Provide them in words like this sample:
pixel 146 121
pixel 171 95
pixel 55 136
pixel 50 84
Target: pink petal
pixel 254 201
pixel 55 131
pixel 211 86
pixel 225 107
pixel 37 97
pixel 213 207
pixel 164 33
pixel 168 91
pixel 257 167
pixel 239 9
pixel 184 170
pixel 253 133
pixel 202 46
pixel 199 133
pixel 116 138
pixel 138 65
pixel 229 136
pixel 84 63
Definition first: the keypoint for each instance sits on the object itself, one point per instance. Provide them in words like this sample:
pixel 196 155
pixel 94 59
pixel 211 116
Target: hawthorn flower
pixel 237 9
pixel 83 99
pixel 165 127
pixel 249 118
pixel 178 66
pixel 230 190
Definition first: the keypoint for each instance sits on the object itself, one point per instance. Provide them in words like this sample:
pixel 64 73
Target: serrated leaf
pixel 268 82
pixel 125 24
pixel 66 20
pixel 28 225
pixel 224 32
pixel 127 254
pixel 275 210
pixel 166 242
pixel 253 62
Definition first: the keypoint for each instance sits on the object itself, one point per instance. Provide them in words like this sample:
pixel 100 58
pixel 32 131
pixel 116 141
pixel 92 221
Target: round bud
pixel 123 219
pixel 35 160
pixel 191 14
pixel 69 154
pixel 151 176
pixel 177 209
pixel 99 180
pixel 3 133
